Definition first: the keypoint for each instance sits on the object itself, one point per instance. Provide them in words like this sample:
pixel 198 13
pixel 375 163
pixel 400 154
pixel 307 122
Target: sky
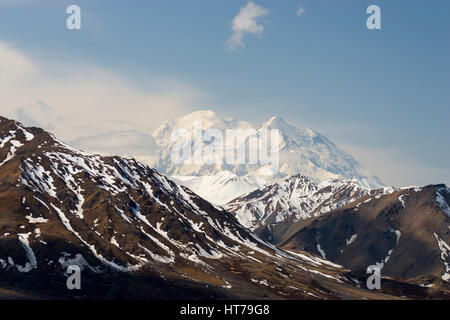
pixel 382 95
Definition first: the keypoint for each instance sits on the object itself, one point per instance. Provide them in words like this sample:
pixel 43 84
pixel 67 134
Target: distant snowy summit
pixel 300 150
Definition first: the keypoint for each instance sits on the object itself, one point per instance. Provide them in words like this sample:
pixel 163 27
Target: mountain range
pixel 302 150
pixel 135 233
pixel 406 233
pixel 295 198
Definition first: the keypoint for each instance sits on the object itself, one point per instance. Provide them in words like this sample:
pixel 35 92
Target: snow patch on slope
pixel 321 251
pixel 221 187
pixel 442 202
pixel 445 255
pixel 32 264
pixel 350 241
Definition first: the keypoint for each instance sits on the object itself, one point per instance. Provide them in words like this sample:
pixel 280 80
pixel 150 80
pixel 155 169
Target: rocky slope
pixel 406 233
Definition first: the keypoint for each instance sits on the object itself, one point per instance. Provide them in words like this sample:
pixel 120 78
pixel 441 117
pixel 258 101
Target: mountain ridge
pixel 406 233
pixel 296 198
pixel 308 145
pixel 136 234
pixel 301 151
pixel 127 227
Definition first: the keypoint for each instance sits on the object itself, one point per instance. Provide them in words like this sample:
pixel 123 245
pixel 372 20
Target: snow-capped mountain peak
pixel 301 150
pixel 296 198
pixel 208 118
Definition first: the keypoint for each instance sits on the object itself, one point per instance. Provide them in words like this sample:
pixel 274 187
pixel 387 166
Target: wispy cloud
pixel 396 168
pixel 73 100
pixel 300 11
pixel 246 22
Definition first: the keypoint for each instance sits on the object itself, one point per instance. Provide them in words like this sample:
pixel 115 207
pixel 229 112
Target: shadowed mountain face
pixel 406 233
pixel 134 233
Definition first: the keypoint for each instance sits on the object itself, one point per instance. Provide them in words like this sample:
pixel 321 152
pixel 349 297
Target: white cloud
pixel 397 168
pixel 246 22
pixel 300 11
pixel 73 100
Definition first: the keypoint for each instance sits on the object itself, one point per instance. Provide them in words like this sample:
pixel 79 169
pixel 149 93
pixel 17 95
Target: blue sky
pixel 383 95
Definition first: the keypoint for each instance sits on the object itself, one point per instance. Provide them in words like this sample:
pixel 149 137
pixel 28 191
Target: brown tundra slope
pixel 407 233
pixel 136 234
